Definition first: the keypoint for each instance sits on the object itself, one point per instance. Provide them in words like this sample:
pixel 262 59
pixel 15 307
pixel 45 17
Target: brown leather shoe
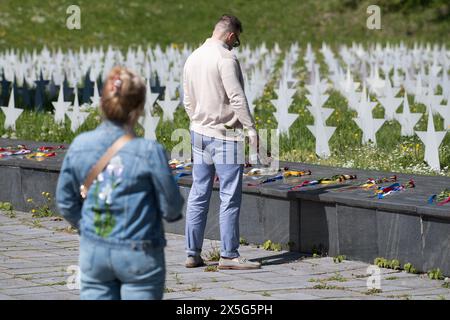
pixel 194 262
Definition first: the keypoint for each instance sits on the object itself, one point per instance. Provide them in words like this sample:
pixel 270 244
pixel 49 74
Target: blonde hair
pixel 123 96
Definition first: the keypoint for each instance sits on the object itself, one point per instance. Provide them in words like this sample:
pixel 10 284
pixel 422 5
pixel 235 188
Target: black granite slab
pixel 413 200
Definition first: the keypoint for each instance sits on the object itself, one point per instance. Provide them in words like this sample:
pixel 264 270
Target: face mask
pixel 237 42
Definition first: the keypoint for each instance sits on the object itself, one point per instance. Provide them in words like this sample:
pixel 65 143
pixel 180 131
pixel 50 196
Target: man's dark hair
pixel 229 23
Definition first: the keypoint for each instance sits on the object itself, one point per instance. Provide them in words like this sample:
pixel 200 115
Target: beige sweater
pixel 214 95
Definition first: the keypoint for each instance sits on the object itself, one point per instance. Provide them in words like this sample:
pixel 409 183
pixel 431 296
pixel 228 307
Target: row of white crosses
pixel 437 63
pixel 317 97
pixel 286 92
pixel 74 65
pixel 421 71
pixel 166 64
pixel 11 113
pixel 76 115
pixel 257 66
pixel 408 67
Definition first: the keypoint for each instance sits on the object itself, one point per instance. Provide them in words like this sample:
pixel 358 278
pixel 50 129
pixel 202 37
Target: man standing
pixel 215 101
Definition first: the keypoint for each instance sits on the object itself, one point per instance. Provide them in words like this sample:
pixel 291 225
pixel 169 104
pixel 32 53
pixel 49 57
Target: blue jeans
pixel 115 273
pixel 225 158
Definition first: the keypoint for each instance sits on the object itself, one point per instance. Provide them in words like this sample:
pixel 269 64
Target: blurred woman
pixel 120 220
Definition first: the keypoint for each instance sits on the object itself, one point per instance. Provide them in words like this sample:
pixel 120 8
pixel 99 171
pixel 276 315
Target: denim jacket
pixel 126 203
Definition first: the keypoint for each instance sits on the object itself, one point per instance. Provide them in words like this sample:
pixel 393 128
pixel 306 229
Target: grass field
pixel 33 23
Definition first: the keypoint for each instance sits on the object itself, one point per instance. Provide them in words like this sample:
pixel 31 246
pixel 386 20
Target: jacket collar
pixel 217 42
pixel 111 125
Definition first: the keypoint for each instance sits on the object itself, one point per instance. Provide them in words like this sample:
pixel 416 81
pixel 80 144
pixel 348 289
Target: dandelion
pixel 29 200
pixel 33 211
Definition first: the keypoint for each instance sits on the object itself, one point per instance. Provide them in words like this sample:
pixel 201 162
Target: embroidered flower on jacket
pixel 110 179
pixel 115 167
pixel 105 194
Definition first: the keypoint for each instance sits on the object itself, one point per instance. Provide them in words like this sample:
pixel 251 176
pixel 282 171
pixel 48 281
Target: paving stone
pixel 248 296
pixel 276 278
pixel 7 297
pixel 29 290
pixel 254 285
pixel 417 283
pixel 365 297
pixel 37 270
pixel 175 295
pixel 425 292
pixel 47 296
pixel 13 283
pixel 33 265
pixel 29 254
pixel 388 289
pixel 20 263
pixel 223 293
pixel 293 296
pixel 4 276
pixel 330 293
pixel 48 280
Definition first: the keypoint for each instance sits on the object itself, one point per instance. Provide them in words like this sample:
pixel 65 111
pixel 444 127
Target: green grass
pixel 211 268
pixel 337 278
pixel 194 288
pixel 213 254
pixel 373 291
pixel 324 286
pixel 7 209
pixel 30 23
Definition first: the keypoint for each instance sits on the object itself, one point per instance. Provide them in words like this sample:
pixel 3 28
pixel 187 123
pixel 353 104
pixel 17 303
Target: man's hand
pixel 257 151
pixel 254 141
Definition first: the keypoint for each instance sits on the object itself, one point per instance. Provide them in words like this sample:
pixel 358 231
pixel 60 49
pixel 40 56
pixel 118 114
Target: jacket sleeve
pixel 231 75
pixel 170 202
pixel 187 99
pixel 67 194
